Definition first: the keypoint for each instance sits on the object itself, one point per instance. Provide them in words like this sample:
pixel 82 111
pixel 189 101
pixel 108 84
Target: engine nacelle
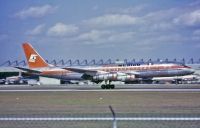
pixel 114 77
pixel 126 78
pixel 105 77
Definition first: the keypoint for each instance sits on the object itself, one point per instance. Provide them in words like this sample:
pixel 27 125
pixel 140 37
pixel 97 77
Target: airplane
pixel 13 80
pixel 131 73
pixel 19 79
pixel 108 73
pixel 2 81
pixel 176 79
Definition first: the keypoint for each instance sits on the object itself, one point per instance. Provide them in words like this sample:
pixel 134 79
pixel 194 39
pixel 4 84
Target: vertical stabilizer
pixel 34 60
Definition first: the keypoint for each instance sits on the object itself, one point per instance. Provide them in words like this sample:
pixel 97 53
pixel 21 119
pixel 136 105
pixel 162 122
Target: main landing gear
pixel 107 86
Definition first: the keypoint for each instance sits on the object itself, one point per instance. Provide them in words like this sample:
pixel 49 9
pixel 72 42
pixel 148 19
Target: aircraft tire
pixel 107 86
pixel 103 86
pixel 112 86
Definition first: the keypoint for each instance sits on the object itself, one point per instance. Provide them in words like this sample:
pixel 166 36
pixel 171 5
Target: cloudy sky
pixel 101 29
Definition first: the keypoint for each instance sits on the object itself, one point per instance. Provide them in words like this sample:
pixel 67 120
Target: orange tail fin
pixel 33 58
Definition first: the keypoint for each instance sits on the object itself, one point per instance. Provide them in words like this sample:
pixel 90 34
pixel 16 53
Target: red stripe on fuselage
pixel 119 69
pixel 142 68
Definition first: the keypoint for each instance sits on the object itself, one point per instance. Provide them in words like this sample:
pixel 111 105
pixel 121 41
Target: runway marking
pixel 99 90
pixel 106 119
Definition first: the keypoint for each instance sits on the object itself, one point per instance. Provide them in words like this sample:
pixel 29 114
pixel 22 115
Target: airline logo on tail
pixel 32 58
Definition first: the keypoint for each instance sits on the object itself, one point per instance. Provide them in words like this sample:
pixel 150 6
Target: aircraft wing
pixel 82 70
pixel 28 70
pixel 132 73
pixel 92 72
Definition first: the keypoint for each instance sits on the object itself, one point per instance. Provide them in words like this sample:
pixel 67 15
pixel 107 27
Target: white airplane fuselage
pixel 116 73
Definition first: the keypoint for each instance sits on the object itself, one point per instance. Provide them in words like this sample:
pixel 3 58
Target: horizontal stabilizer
pixel 28 70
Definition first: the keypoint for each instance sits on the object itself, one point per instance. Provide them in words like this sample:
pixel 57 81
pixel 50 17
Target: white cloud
pixel 61 29
pixel 161 16
pixel 94 37
pixel 190 19
pixel 135 9
pixel 162 26
pixel 129 10
pixel 122 37
pixel 110 20
pixel 170 38
pixel 36 11
pixel 37 30
pixel 150 29
pixel 105 37
pixel 156 20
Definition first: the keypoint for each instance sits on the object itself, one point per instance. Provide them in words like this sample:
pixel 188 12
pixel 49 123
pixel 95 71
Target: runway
pixel 87 105
pixel 114 90
pixel 97 88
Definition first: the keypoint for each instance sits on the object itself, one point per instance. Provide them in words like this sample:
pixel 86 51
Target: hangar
pixel 8 71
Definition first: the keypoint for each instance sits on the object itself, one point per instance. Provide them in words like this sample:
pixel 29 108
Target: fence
pixel 99 62
pixel 187 121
